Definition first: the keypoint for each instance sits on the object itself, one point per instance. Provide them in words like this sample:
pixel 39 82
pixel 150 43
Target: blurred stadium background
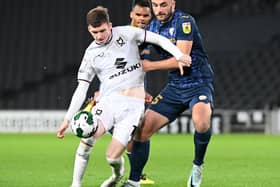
pixel 42 43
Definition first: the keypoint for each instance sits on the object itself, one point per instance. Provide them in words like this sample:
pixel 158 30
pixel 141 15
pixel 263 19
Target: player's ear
pixel 173 5
pixel 131 15
pixel 88 28
pixel 110 25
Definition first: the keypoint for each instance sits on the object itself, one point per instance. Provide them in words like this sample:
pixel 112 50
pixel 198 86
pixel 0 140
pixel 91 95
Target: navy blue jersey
pixel 182 26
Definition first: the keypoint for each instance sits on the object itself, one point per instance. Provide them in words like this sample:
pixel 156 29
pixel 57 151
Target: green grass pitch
pixel 237 160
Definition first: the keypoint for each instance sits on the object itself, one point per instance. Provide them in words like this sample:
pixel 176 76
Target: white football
pixel 84 124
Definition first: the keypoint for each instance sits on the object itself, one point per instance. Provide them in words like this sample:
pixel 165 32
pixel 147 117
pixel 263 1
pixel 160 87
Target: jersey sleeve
pixel 77 99
pixel 138 33
pixel 140 36
pixel 164 43
pixel 185 28
pixel 86 71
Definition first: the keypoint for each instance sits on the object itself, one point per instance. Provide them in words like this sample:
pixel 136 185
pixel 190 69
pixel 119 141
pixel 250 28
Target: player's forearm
pixel 77 99
pixel 159 65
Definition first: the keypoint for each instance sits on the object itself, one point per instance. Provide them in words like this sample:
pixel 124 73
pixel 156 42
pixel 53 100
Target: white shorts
pixel 124 113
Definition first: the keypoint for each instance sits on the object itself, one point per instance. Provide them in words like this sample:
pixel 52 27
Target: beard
pixel 164 17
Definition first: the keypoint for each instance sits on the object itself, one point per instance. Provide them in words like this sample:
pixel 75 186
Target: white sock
pixel 81 160
pixel 117 166
pixel 134 183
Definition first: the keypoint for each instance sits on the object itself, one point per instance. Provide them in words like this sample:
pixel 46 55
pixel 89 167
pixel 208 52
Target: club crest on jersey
pixel 120 41
pixel 101 54
pixel 187 27
pixel 171 31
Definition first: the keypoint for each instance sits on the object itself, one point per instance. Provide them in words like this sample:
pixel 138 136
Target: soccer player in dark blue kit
pixel 193 90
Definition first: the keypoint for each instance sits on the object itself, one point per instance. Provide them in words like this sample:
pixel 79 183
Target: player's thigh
pixel 126 121
pixel 152 122
pixel 122 134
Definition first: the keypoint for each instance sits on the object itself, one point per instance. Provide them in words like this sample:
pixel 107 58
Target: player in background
pixel 192 91
pixel 113 57
pixel 140 15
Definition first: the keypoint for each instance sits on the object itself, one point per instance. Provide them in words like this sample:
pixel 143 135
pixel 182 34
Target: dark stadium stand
pixel 249 80
pixel 42 43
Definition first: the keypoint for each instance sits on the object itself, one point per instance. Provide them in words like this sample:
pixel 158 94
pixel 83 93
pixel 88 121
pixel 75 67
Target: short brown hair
pixel 97 16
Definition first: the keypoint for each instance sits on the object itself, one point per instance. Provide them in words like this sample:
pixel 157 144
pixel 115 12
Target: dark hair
pixel 142 3
pixel 98 16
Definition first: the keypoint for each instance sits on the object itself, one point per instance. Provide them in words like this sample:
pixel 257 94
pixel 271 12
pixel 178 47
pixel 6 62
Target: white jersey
pixel 117 63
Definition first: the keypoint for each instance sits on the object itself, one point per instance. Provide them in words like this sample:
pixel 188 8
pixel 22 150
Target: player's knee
pixel 85 148
pixel 143 135
pixel 202 126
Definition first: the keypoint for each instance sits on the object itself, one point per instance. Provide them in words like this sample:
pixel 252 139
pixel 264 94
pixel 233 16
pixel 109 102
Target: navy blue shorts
pixel 173 101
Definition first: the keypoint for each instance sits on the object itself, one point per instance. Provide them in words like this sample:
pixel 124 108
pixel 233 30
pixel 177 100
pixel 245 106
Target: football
pixel 84 124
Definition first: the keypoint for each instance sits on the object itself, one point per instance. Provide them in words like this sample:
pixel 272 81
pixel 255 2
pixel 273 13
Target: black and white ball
pixel 84 124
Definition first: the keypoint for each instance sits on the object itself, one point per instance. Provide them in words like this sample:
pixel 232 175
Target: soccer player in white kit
pixel 113 56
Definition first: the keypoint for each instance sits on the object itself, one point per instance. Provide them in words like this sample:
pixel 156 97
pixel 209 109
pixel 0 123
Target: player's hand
pixel 184 61
pixel 146 65
pixel 148 98
pixel 61 131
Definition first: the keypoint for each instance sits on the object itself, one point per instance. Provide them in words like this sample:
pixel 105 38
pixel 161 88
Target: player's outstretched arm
pixel 76 103
pixel 163 43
